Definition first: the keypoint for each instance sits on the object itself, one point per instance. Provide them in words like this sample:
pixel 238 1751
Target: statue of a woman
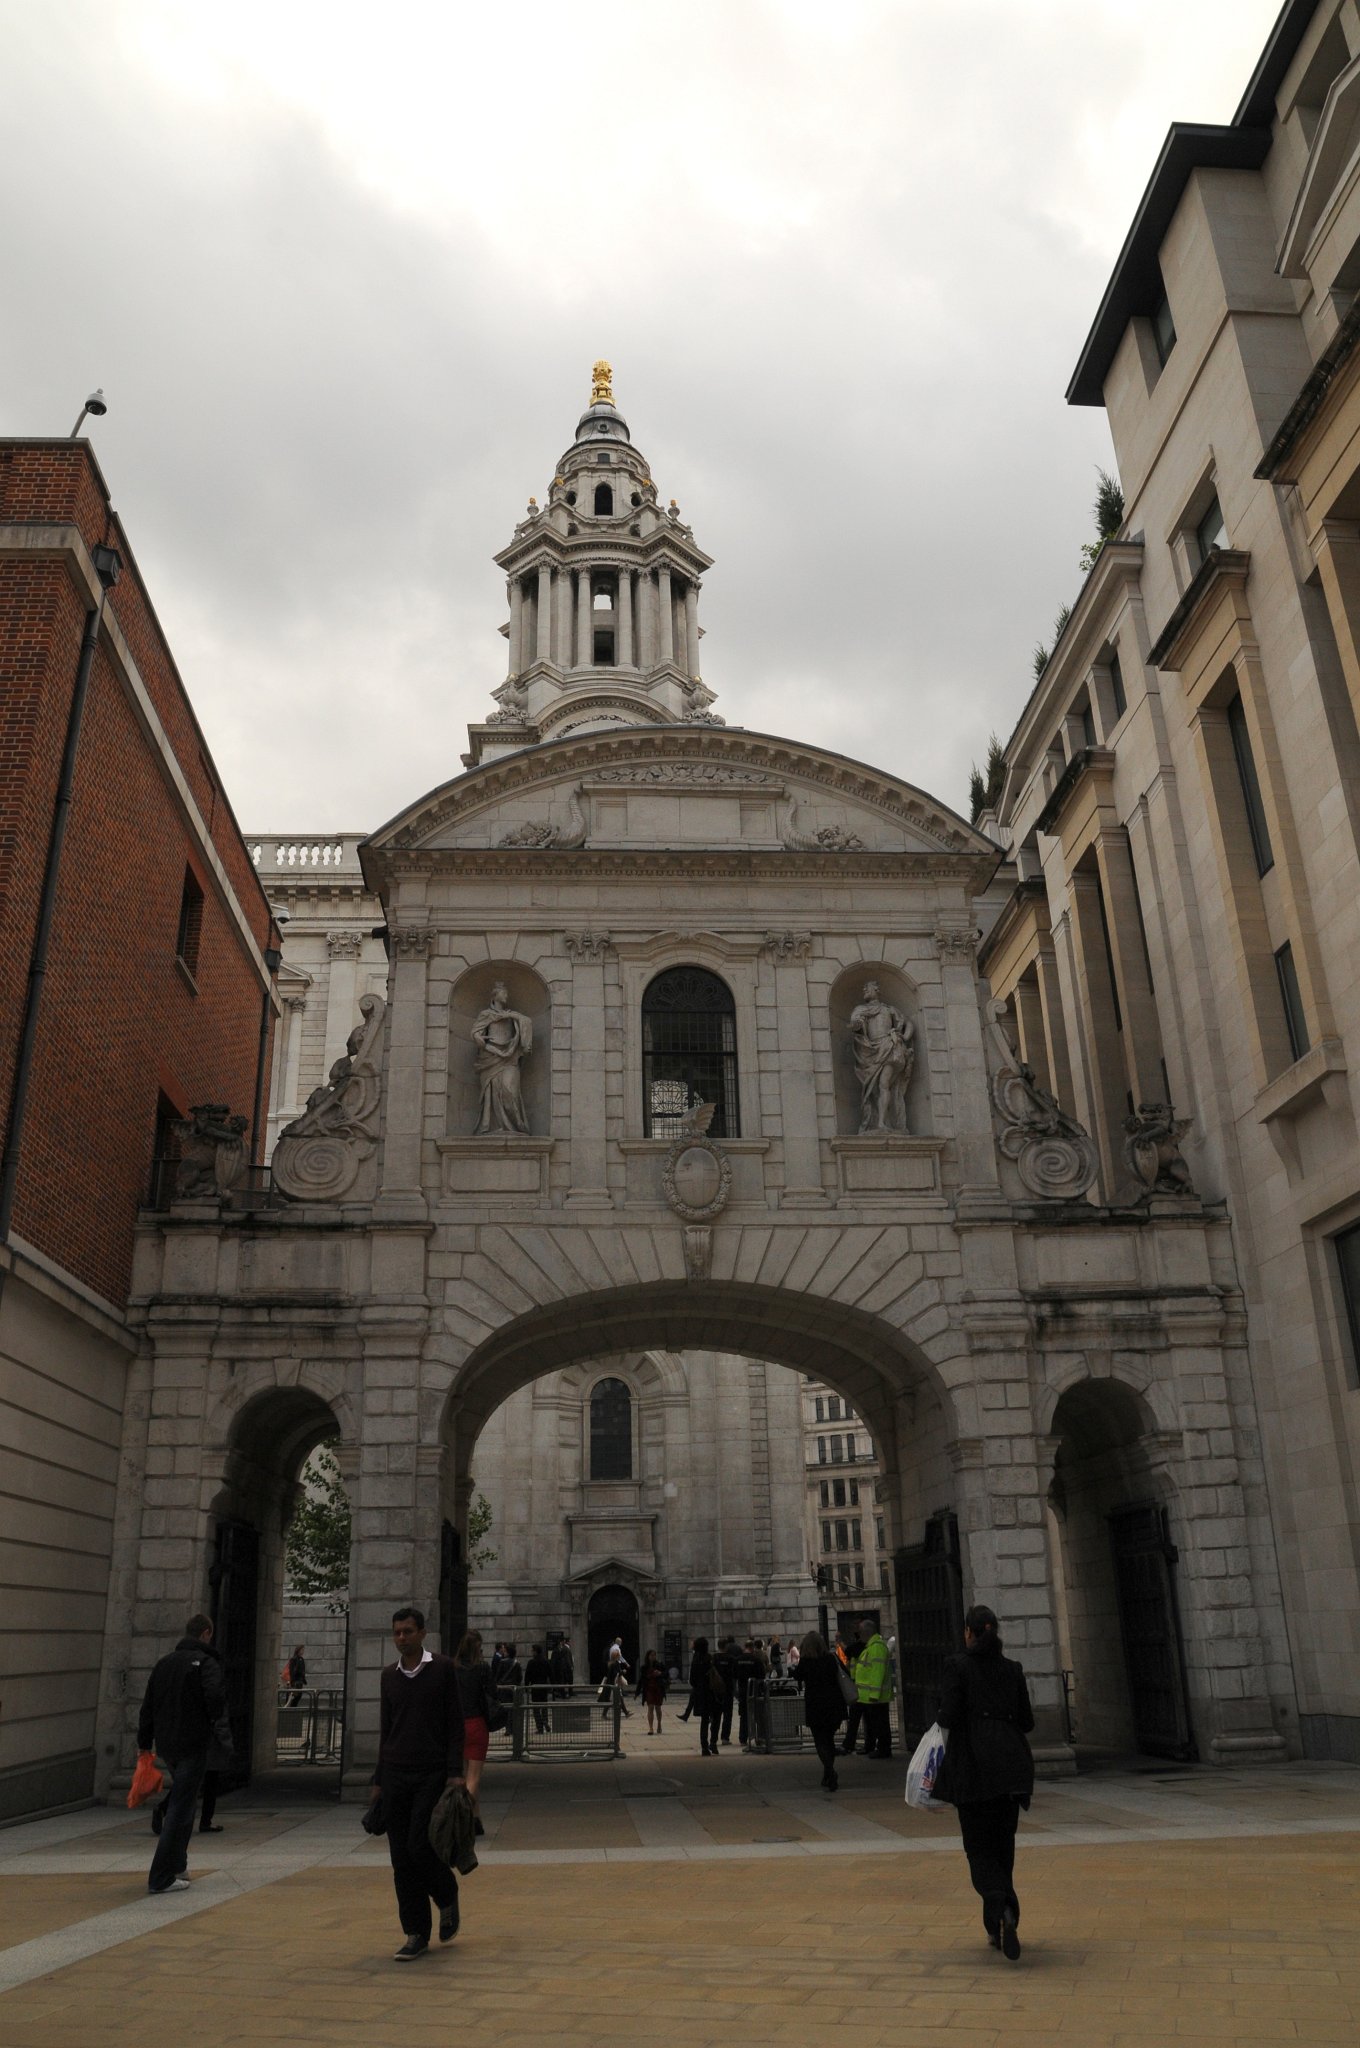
pixel 502 1037
pixel 882 1041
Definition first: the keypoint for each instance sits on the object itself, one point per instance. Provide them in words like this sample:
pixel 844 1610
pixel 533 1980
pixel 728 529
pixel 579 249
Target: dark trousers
pixel 172 1850
pixel 824 1739
pixel 877 1728
pixel 988 1829
pixel 417 1873
pixel 710 1721
pixel 853 1714
pixel 727 1712
pixel 212 1781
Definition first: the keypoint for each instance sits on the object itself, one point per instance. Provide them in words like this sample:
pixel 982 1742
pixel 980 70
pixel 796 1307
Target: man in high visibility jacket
pixel 874 1684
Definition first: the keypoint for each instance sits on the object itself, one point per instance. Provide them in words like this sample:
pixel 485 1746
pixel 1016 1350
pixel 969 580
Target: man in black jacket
pixel 420 1754
pixel 184 1709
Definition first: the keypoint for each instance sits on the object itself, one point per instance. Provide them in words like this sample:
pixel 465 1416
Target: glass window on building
pixel 611 1431
pixel 850 1451
pixel 859 1576
pixel 821 1409
pixel 1347 1243
pixel 826 1535
pixel 1210 533
pixel 1163 330
pixel 854 1493
pixel 821 1450
pixel 1291 995
pixel 838 1492
pixel 857 1536
pixel 837 1450
pixel 843 1576
pixel 825 1494
pixel 1251 786
pixel 842 1535
pixel 689 1052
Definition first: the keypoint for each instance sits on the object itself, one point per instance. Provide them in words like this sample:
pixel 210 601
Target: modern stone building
pixel 1182 813
pixel 685 1053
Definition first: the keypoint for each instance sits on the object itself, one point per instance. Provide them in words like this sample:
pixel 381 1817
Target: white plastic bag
pixel 924 1768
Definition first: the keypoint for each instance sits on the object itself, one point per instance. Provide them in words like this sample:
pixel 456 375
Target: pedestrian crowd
pixel 437 1714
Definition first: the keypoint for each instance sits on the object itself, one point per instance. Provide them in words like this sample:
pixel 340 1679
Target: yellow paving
pixel 30 1906
pixel 1242 1942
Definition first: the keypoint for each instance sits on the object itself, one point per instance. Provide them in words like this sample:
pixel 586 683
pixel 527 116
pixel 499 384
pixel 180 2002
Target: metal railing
pixel 564 1724
pixel 774 1708
pixel 311 1726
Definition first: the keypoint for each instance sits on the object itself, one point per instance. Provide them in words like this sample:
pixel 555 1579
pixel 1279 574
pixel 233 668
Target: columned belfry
pixel 603 588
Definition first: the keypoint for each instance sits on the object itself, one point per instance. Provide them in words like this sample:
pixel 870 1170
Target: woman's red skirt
pixel 474 1739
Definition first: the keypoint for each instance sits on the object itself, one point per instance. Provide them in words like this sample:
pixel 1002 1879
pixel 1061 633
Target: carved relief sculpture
pixel 212 1153
pixel 1053 1154
pixel 826 839
pixel 319 1155
pixel 696 1178
pixel 504 1038
pixel 882 1041
pixel 1152 1150
pixel 541 832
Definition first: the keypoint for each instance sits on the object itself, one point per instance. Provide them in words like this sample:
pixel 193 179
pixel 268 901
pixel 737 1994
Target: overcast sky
pixel 343 271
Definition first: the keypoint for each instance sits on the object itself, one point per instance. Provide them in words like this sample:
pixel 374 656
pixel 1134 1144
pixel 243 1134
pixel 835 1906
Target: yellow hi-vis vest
pixel 873 1673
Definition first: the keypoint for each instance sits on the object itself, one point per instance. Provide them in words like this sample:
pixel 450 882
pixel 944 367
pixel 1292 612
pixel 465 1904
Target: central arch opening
pixel 765 1464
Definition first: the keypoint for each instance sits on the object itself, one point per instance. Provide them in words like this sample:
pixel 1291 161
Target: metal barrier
pixel 311 1726
pixel 577 1724
pixel 775 1717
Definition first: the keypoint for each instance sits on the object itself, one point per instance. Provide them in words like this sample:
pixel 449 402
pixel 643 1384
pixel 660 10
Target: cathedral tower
pixel 604 599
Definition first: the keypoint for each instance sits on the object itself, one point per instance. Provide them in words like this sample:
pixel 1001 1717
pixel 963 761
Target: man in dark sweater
pixel 184 1712
pixel 420 1754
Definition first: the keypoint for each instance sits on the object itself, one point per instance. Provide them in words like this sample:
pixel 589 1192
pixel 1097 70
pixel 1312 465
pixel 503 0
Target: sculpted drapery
pixel 882 1040
pixel 503 1038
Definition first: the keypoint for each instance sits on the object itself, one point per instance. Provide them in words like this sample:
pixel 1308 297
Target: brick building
pixel 152 1000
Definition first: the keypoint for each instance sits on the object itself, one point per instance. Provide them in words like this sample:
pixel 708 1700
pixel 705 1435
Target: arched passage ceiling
pixel 857 1354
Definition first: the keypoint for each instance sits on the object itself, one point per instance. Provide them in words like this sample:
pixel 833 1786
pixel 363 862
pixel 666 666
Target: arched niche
pixel 471 995
pixel 847 991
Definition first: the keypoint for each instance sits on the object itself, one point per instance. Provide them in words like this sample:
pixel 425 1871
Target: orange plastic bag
pixel 147 1781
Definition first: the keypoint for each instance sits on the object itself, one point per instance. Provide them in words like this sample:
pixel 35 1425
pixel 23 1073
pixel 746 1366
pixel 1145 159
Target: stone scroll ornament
pixel 319 1155
pixel 1152 1151
pixel 1053 1154
pixel 212 1153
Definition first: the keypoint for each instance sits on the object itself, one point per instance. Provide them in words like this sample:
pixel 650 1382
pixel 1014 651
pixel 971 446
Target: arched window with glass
pixel 689 1053
pixel 611 1430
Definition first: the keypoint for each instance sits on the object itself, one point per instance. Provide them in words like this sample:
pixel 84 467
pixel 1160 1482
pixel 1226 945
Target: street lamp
pixel 95 405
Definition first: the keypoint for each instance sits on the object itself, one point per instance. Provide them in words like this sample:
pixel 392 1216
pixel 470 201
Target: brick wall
pixel 120 1023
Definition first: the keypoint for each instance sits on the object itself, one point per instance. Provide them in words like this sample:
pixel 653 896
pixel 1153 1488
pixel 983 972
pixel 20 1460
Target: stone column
pixel 543 620
pixel 956 945
pixel 646 637
pixel 624 613
pixel 1337 547
pixel 341 993
pixel 516 625
pixel 1029 1027
pixel 1142 1032
pixel 790 952
pixel 563 621
pixel 666 609
pixel 401 1197
pixel 1055 1023
pixel 1107 1106
pixel 589 1180
pixel 583 645
pixel 692 629
pixel 294 1007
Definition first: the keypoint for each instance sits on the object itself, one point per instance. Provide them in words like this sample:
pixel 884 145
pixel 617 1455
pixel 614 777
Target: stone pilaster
pixel 589 1189
pixel 401 1196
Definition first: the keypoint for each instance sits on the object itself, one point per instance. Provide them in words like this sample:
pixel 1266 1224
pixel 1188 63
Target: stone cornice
pixel 1118 566
pixel 663 548
pixel 1090 761
pixel 1222 568
pixel 1030 890
pixel 730 862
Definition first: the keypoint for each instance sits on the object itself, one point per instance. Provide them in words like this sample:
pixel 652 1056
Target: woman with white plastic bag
pixel 987 1771
pixel 924 1769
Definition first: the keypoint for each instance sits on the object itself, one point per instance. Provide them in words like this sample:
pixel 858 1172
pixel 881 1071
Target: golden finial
pixel 602 384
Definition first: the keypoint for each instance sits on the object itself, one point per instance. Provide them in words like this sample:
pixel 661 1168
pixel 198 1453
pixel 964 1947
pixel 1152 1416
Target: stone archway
pixel 612 1612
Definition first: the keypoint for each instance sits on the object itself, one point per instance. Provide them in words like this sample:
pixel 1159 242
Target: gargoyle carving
pixel 542 833
pixel 1152 1150
pixel 1053 1154
pixel 212 1153
pixel 319 1155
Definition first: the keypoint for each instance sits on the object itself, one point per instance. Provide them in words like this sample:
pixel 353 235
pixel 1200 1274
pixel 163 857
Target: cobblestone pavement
pixel 726 1898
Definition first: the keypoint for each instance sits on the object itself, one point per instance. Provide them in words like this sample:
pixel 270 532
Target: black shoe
pixel 477 1828
pixel 1010 1940
pixel 833 1783
pixel 409 1950
pixel 705 1752
pixel 448 1921
pixel 993 1940
pixel 157 1820
pixel 210 1827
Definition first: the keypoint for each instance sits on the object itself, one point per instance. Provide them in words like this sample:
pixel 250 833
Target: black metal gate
pixel 929 1621
pixel 234 1578
pixel 1154 1656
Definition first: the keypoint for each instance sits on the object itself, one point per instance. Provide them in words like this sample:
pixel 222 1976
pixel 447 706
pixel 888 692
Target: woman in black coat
pixel 823 1702
pixel 708 1690
pixel 988 1772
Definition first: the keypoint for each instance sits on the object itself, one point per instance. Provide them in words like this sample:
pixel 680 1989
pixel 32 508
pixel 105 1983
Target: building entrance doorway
pixel 613 1611
pixel 929 1620
pixel 1150 1627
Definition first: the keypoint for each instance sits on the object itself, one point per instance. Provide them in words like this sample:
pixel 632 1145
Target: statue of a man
pixel 882 1040
pixel 503 1037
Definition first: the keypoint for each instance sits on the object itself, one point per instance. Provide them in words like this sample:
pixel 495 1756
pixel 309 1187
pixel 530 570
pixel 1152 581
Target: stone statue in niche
pixel 882 1040
pixel 504 1038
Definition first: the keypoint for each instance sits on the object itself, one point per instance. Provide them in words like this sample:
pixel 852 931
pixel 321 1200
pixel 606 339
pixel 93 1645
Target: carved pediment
pixel 677 789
